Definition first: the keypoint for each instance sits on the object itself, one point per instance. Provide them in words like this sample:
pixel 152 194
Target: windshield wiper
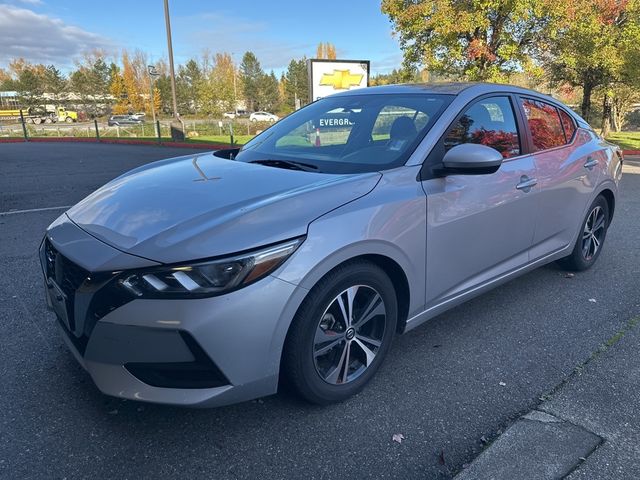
pixel 291 165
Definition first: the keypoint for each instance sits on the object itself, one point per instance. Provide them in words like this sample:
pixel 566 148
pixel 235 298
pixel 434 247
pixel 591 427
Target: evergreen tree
pixel 297 83
pixel 251 74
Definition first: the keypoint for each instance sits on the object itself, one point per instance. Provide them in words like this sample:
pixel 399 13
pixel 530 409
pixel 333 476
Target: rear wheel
pixel 68 120
pixel 591 237
pixel 341 333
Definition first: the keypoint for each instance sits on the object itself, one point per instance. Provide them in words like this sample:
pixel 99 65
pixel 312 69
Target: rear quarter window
pixel 568 125
pixel 544 124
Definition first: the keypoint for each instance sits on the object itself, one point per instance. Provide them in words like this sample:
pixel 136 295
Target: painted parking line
pixel 33 210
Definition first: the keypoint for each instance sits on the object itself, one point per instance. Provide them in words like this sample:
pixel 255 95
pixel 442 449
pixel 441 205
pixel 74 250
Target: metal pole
pixel 171 69
pixel 95 122
pixel 158 131
pixel 235 91
pixel 24 127
pixel 153 107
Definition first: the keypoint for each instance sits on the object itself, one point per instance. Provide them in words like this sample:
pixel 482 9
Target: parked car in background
pixel 236 114
pixel 358 217
pixel 123 120
pixel 263 117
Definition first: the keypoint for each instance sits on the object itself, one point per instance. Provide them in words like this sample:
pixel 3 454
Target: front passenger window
pixel 489 122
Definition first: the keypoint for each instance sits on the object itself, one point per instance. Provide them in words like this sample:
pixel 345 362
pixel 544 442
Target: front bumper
pixel 238 337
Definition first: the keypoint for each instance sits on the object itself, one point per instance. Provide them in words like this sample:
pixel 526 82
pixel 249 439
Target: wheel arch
pixel 395 273
pixel 609 196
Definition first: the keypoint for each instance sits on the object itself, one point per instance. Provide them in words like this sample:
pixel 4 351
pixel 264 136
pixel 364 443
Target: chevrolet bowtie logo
pixel 341 79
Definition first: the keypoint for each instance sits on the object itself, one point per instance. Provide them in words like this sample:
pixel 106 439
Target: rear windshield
pixel 349 134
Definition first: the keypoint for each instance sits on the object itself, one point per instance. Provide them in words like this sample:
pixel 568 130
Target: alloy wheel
pixel 349 334
pixel 593 233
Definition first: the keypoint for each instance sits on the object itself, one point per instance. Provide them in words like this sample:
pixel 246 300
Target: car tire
pixel 591 237
pixel 320 343
pixel 68 120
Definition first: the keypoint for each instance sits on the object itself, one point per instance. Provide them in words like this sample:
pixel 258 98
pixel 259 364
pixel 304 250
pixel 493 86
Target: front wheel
pixel 341 333
pixel 591 237
pixel 68 120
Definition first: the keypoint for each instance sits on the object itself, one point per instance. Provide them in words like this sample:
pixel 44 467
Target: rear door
pixel 567 169
pixel 480 227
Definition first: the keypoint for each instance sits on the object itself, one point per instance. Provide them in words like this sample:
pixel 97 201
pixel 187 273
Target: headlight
pixel 206 279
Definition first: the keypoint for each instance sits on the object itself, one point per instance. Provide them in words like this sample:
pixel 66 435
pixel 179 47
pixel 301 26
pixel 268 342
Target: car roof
pixel 468 89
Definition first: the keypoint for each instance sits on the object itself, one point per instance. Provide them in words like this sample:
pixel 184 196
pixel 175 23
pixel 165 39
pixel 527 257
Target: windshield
pixel 348 134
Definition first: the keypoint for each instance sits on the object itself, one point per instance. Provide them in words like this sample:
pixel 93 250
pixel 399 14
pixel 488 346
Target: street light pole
pixel 153 73
pixel 177 129
pixel 235 88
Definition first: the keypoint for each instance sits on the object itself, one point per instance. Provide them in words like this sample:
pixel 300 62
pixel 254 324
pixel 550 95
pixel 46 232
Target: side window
pixel 489 122
pixel 568 125
pixel 544 124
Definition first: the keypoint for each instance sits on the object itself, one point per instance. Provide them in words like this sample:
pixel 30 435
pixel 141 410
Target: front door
pixel 480 227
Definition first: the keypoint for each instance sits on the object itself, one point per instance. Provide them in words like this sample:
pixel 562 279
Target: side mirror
pixel 471 159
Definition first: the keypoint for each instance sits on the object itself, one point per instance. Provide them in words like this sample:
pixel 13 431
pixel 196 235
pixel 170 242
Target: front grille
pixel 100 293
pixel 66 274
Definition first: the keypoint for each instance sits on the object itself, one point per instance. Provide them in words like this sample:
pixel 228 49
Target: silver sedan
pixel 206 279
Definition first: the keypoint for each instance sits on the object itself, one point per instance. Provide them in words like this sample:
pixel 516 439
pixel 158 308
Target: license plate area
pixel 58 302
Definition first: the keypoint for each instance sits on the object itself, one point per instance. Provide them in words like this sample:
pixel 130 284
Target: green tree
pixel 269 97
pixel 471 39
pixel 54 84
pixel 216 92
pixel 296 83
pixel 29 86
pixel 597 46
pixel 6 82
pixel 91 81
pixel 251 75
pixel 188 87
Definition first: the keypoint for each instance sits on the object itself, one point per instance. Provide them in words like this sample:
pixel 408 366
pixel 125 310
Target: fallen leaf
pixel 592 300
pixel 483 439
pixel 502 384
pixel 569 275
pixel 397 437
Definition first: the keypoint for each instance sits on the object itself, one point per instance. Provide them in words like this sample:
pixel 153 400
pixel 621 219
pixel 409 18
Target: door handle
pixel 591 162
pixel 526 183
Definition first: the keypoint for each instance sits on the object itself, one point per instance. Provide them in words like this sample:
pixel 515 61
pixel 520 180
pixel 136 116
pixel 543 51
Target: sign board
pixel 327 77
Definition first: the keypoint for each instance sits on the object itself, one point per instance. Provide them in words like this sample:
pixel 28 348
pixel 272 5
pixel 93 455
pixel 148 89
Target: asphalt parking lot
pixel 448 387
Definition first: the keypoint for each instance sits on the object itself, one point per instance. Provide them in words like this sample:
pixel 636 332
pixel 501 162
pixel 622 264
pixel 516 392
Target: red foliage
pixel 505 142
pixel 544 123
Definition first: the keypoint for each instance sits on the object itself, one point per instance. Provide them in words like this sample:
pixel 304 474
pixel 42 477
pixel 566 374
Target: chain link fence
pixel 237 131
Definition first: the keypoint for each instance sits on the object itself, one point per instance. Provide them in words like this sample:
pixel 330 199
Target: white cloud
pixel 32 2
pixel 43 39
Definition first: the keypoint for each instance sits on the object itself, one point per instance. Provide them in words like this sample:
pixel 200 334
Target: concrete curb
pixel 538 445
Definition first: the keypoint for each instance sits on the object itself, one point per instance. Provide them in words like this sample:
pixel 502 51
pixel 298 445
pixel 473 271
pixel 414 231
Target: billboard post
pixel 327 77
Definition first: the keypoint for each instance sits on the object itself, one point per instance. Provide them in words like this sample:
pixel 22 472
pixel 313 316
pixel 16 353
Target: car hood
pixel 202 206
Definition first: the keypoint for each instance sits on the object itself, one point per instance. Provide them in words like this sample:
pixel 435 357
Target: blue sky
pixel 275 30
